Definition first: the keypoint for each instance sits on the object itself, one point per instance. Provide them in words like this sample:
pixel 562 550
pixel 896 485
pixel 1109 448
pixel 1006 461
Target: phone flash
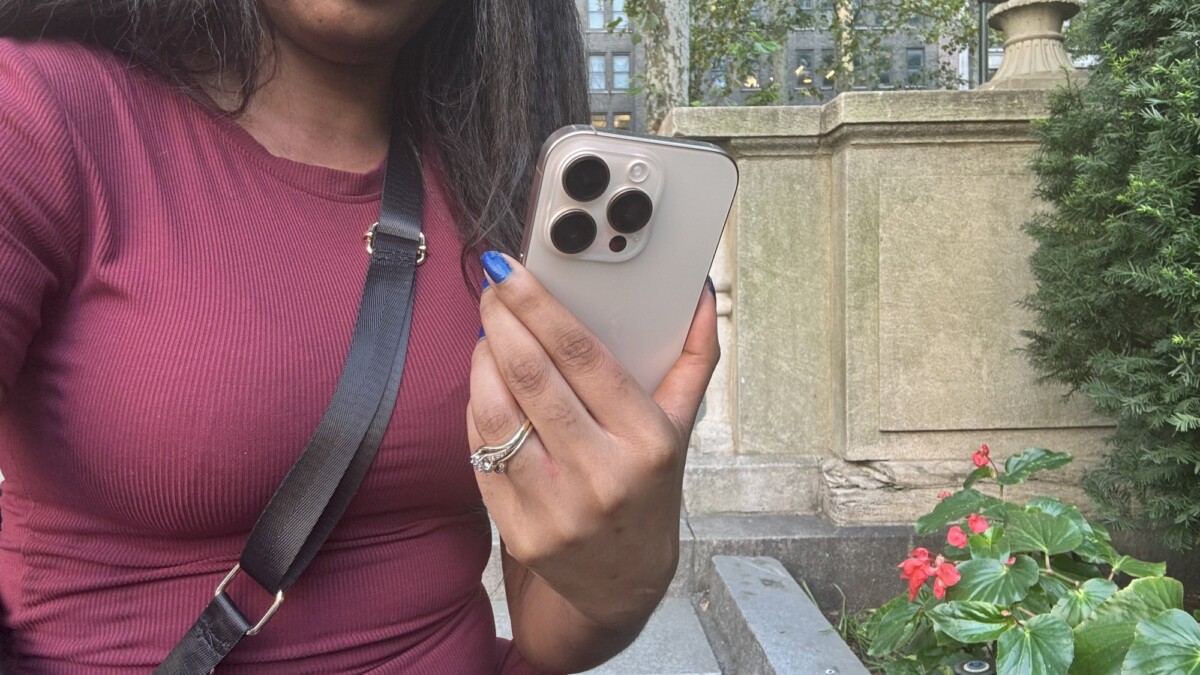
pixel 638 171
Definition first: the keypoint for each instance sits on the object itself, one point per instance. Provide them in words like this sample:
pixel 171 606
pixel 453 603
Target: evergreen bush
pixel 1118 259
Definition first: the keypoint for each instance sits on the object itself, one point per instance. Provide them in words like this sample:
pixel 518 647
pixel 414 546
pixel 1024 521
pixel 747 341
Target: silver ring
pixel 493 458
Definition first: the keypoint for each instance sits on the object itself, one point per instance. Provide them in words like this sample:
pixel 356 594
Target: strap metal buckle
pixel 265 617
pixel 369 241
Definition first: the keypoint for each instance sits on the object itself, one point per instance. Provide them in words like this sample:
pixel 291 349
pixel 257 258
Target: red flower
pixel 917 569
pixel 943 494
pixel 947 575
pixel 956 537
pixel 981 456
pixel 1011 559
pixel 977 523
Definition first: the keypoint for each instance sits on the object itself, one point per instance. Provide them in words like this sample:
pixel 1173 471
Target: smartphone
pixel 623 229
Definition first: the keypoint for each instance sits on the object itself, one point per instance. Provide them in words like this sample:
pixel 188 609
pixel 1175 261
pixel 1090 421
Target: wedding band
pixel 492 458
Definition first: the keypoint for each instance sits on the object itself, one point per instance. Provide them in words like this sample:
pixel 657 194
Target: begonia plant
pixel 1030 588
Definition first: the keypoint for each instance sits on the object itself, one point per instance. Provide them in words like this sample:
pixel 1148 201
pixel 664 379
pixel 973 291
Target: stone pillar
pixel 872 281
pixel 1034 57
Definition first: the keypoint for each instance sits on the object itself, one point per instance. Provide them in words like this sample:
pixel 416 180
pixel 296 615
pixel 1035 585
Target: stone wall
pixel 869 287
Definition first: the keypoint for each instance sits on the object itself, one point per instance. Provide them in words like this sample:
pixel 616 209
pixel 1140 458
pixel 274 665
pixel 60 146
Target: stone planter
pixel 1034 57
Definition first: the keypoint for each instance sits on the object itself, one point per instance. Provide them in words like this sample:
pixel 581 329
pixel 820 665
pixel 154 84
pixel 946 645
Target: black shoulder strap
pixel 320 485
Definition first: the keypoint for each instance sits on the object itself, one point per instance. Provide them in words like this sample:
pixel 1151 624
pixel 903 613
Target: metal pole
pixel 984 43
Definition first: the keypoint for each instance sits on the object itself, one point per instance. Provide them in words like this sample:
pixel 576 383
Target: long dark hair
pixel 486 81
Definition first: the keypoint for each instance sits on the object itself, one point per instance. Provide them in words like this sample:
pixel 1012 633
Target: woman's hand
pixel 588 510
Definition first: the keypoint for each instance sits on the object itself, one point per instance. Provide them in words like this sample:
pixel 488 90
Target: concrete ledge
pixel 948 108
pixel 766 623
pixel 814 550
pixel 751 484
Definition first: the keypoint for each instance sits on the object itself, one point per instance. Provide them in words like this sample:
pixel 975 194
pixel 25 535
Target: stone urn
pixel 1034 57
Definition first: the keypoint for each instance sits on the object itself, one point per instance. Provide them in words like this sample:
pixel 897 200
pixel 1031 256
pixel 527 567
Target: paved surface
pixel 673 643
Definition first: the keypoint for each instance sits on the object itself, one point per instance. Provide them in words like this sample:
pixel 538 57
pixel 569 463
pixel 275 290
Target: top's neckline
pixel 313 178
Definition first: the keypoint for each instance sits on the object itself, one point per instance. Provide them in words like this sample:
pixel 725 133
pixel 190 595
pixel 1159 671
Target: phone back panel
pixel 638 300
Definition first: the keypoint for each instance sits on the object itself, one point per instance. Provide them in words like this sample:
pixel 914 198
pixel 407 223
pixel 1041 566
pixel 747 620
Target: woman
pixel 183 186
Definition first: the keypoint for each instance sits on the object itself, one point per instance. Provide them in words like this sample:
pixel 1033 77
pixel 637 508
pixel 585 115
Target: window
pixel 885 64
pixel 597 73
pixel 623 121
pixel 618 12
pixel 599 120
pixel 915 63
pixel 620 72
pixel 608 72
pixel 596 15
pixel 718 74
pixel 828 71
pixel 601 13
pixel 885 73
pixel 804 68
pixel 806 5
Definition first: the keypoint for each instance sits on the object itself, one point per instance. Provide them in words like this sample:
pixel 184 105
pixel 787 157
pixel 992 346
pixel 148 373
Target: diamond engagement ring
pixel 492 458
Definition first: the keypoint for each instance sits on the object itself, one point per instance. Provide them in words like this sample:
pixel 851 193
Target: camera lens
pixel 573 232
pixel 586 178
pixel 629 211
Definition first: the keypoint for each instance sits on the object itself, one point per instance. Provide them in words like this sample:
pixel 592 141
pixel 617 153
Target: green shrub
pixel 1118 260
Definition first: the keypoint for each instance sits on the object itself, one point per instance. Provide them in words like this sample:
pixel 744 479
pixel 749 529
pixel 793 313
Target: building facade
pixel 805 68
pixel 613 62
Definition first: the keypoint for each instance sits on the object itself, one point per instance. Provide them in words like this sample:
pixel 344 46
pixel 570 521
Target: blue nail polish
pixel 485 282
pixel 481 335
pixel 496 266
pixel 712 288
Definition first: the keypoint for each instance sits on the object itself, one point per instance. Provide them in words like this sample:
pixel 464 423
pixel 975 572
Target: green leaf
pixel 987 580
pixel 1055 588
pixel 1078 570
pixel 991 544
pixel 1038 531
pixel 1043 646
pixel 1138 568
pixel 1079 603
pixel 970 622
pixel 1168 644
pixel 1018 468
pixel 1096 546
pixel 951 509
pixel 906 666
pixel 1037 601
pixel 892 626
pixel 1103 638
pixel 978 475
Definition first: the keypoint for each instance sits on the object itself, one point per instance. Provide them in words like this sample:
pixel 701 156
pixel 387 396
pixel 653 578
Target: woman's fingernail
pixel 485 282
pixel 496 266
pixel 481 335
pixel 712 288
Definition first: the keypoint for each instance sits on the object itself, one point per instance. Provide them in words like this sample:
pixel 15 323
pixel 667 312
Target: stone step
pixel 673 643
pixel 760 621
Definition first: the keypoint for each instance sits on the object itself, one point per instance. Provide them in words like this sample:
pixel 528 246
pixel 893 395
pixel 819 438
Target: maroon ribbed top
pixel 175 307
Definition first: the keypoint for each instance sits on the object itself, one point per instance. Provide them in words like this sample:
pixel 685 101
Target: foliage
pixel 1035 591
pixel 734 42
pixel 1118 259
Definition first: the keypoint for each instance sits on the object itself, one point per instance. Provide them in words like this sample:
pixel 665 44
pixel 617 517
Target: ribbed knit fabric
pixel 175 307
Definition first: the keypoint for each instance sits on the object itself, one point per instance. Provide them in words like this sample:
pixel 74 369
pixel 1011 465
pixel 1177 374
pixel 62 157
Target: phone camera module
pixel 630 211
pixel 573 232
pixel 586 178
